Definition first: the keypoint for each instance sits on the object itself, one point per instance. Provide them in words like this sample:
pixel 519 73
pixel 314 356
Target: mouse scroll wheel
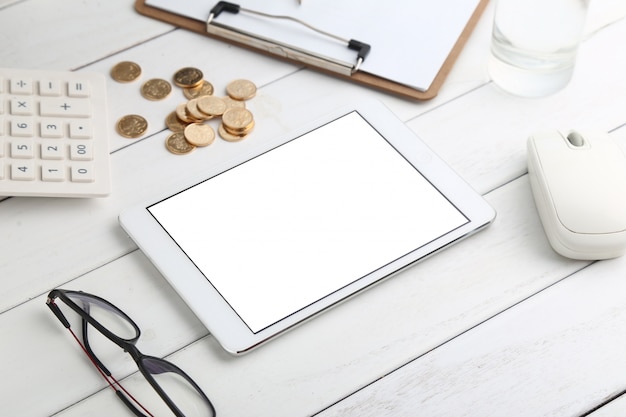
pixel 576 139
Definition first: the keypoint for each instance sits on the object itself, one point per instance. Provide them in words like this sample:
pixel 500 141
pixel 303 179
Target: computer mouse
pixel 578 180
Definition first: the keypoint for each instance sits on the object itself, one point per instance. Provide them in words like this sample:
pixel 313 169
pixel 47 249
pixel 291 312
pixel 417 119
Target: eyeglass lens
pixel 106 314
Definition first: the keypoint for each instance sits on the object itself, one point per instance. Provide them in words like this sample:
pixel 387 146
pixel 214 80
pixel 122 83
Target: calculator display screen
pixel 302 221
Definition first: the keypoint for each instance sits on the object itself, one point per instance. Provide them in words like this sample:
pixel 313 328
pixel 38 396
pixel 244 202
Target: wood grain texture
pixel 496 325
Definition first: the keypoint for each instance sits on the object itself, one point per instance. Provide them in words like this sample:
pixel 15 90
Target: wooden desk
pixel 496 325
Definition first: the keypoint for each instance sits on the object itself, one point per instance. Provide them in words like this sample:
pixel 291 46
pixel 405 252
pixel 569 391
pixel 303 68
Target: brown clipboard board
pixel 359 76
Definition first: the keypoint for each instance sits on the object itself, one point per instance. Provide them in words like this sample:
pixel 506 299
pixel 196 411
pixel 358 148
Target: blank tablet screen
pixel 295 224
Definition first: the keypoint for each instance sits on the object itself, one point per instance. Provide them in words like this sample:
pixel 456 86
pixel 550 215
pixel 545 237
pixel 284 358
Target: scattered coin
pixel 241 89
pixel 156 89
pixel 204 89
pixel 230 103
pixel 194 112
pixel 174 124
pixel 211 105
pixel 177 144
pixel 238 121
pixel 199 134
pixel 229 136
pixel 125 72
pixel 132 126
pixel 188 77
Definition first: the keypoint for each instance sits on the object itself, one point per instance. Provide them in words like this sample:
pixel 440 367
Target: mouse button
pixel 547 148
pixel 591 209
pixel 576 139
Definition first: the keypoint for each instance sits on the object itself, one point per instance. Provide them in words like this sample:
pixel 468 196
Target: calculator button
pixel 51 129
pixel 21 86
pixel 81 152
pixel 82 173
pixel 51 171
pixel 65 107
pixel 22 150
pixel 78 89
pixel 22 106
pixel 80 129
pixel 51 150
pixel 23 171
pixel 1 169
pixel 50 88
pixel 22 127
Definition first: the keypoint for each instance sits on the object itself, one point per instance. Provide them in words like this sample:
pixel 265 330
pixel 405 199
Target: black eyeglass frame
pixel 128 345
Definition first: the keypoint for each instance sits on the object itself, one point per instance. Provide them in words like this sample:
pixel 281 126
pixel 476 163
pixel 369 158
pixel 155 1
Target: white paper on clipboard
pixel 410 40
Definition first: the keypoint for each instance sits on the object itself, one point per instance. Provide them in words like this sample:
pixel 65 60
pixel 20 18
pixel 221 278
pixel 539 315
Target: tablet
pixel 335 207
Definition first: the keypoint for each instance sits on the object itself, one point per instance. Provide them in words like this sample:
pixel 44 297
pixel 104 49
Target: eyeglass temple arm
pixel 129 404
pixel 57 312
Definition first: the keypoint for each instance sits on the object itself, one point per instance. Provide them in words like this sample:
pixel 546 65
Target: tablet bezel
pixel 213 310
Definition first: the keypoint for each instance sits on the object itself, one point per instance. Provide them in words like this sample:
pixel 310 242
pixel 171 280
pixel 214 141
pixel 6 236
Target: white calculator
pixel 53 134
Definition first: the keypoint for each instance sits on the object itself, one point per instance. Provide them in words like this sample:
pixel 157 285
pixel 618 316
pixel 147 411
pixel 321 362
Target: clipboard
pixel 459 31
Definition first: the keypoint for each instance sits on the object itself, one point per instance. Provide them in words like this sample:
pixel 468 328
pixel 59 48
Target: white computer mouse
pixel 578 181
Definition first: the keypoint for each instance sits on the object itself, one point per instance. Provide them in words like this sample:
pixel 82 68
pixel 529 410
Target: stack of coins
pixel 189 118
pixel 187 121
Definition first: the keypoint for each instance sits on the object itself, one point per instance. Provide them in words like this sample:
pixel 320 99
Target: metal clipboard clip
pixel 282 49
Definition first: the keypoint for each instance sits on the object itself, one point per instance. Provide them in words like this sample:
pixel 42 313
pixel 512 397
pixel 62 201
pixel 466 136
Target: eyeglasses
pixel 182 396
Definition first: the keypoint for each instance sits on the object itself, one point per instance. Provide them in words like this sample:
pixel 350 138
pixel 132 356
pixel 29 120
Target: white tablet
pixel 338 206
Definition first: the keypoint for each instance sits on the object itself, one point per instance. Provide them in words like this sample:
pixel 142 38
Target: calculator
pixel 53 134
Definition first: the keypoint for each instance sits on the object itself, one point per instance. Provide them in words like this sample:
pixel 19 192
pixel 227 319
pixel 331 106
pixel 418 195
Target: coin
pixel 241 89
pixel 199 134
pixel 211 105
pixel 183 115
pixel 188 77
pixel 173 123
pixel 156 89
pixel 204 89
pixel 230 103
pixel 132 126
pixel 125 72
pixel 177 144
pixel 194 112
pixel 238 121
pixel 229 136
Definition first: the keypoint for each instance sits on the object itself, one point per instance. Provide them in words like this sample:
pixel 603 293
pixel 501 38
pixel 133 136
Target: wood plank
pixel 557 353
pixel 614 408
pixel 81 32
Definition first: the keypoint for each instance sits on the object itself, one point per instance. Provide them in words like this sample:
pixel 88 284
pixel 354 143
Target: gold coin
pixel 181 112
pixel 194 112
pixel 125 72
pixel 241 89
pixel 199 134
pixel 177 144
pixel 239 132
pixel 230 103
pixel 132 126
pixel 156 89
pixel 229 136
pixel 238 120
pixel 204 89
pixel 174 124
pixel 188 77
pixel 211 105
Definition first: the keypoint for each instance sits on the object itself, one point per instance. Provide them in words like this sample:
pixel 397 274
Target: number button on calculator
pixel 53 134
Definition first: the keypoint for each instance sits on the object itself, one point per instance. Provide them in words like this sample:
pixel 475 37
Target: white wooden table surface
pixel 498 325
